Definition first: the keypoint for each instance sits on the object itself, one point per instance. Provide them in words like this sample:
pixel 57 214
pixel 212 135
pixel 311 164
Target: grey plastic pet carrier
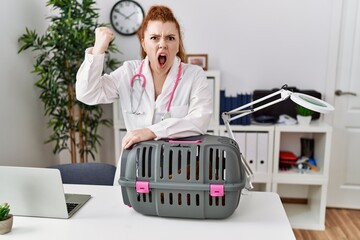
pixel 195 177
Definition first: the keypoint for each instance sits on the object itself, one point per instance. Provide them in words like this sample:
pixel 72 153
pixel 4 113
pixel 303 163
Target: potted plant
pixel 303 115
pixel 60 51
pixel 6 219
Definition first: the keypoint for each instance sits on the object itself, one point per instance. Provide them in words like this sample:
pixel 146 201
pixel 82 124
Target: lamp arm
pixel 284 94
pixel 226 116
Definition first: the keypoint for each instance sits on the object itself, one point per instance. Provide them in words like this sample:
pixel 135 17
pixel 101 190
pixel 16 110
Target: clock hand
pixel 117 10
pixel 131 15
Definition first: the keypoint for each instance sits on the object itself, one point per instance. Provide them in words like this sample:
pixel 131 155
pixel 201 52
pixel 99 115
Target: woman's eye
pixel 171 38
pixel 153 38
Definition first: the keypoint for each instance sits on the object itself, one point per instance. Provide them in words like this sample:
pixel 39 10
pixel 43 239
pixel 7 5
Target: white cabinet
pixel 256 145
pixel 310 185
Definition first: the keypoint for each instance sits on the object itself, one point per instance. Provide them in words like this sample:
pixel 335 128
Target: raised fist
pixel 103 37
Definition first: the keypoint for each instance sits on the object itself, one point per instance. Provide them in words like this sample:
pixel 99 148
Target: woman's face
pixel 161 44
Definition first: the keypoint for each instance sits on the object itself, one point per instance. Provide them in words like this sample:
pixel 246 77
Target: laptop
pixel 37 192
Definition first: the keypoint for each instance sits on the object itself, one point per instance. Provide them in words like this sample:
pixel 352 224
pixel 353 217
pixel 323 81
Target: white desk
pixel 260 215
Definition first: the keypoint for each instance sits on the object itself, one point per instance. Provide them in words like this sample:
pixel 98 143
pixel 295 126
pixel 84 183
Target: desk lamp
pixel 304 100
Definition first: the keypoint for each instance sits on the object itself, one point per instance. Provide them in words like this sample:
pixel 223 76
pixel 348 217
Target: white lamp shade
pixel 311 103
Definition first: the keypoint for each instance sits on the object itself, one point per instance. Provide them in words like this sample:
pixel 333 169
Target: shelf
pixel 302 217
pixel 287 138
pixel 306 178
pixel 305 216
pixel 249 128
pixel 314 127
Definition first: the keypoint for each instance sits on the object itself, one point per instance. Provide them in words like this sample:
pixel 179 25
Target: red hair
pixel 163 14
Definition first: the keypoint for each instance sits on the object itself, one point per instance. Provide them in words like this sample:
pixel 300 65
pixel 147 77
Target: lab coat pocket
pixel 135 121
pixel 179 111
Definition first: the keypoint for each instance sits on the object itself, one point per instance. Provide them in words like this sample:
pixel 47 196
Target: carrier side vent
pixel 172 198
pixel 144 197
pixel 216 201
pixel 144 162
pixel 182 162
pixel 217 164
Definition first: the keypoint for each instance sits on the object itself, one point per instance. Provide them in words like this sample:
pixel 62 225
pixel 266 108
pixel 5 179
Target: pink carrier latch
pixel 142 187
pixel 216 190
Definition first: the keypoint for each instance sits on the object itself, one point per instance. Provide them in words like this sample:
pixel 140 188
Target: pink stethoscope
pixel 139 76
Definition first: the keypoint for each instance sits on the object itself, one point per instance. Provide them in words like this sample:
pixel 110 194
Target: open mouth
pixel 162 60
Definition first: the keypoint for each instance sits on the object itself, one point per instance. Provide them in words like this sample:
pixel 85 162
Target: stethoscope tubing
pixel 140 76
pixel 175 86
pixel 143 85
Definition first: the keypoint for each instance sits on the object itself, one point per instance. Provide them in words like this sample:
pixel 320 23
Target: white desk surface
pixel 260 215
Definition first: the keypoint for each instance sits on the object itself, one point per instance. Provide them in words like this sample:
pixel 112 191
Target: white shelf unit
pixel 308 185
pixel 256 145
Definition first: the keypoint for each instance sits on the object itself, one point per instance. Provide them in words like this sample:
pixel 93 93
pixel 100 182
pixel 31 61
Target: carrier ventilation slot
pixel 173 163
pixel 188 166
pixel 178 199
pixel 144 197
pixel 143 162
pixel 216 201
pixel 217 164
pixel 162 152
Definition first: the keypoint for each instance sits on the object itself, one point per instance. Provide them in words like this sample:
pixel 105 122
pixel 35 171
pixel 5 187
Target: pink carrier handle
pixel 184 141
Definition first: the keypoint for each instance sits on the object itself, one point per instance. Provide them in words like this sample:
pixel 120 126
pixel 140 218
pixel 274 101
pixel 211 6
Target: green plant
pixel 60 53
pixel 4 211
pixel 303 111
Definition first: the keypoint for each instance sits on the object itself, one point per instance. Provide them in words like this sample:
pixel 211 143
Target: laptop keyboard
pixel 71 206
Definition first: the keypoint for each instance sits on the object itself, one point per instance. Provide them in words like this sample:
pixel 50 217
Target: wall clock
pixel 126 17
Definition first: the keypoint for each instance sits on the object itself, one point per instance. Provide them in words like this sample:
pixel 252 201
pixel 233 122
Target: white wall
pixel 257 44
pixel 22 130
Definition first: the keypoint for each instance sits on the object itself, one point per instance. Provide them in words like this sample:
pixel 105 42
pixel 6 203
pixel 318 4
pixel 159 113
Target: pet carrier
pixel 195 177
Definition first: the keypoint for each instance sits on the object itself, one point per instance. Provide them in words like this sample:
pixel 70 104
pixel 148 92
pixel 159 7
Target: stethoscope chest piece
pixel 166 116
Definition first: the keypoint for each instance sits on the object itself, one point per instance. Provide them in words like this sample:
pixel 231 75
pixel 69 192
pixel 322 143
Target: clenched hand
pixel 103 37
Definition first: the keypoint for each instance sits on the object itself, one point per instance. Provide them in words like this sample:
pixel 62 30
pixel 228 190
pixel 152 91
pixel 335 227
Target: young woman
pixel 160 96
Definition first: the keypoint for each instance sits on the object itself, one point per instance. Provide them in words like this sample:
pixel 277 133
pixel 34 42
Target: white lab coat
pixel 190 110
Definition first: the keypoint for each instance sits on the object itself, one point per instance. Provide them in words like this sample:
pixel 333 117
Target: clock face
pixel 126 17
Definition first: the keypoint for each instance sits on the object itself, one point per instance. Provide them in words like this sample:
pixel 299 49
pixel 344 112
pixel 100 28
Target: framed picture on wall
pixel 198 59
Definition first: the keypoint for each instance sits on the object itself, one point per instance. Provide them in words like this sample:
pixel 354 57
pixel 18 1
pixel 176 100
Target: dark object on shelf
pixel 265 119
pixel 285 107
pixel 307 147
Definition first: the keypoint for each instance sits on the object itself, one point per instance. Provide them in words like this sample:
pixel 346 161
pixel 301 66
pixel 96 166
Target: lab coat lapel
pixel 149 88
pixel 149 92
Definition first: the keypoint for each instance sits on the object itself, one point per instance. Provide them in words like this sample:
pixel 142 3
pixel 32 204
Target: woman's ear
pixel 143 44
